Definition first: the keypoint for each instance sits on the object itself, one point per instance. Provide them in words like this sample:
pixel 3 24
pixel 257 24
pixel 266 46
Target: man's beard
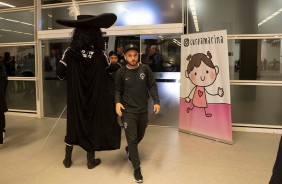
pixel 132 62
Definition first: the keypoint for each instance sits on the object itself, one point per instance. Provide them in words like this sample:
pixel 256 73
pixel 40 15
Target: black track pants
pixel 135 125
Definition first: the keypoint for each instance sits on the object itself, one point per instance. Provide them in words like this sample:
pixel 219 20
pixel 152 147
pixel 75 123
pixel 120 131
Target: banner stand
pixel 205 100
pixel 206 137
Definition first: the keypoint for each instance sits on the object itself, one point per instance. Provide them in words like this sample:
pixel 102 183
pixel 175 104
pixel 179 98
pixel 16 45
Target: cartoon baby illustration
pixel 202 73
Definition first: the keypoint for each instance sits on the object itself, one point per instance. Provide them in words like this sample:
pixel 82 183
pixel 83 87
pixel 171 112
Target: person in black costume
pixel 3 104
pixel 276 177
pixel 91 118
pixel 133 83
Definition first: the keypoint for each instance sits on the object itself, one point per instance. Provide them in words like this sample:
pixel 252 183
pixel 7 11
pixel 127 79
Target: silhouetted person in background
pixel 9 63
pixel 155 60
pixel 5 61
pixel 113 57
pixel 121 59
pixel 52 61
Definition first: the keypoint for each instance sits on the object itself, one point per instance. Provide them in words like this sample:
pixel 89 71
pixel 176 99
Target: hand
pixel 157 108
pixel 119 106
pixel 187 99
pixel 220 92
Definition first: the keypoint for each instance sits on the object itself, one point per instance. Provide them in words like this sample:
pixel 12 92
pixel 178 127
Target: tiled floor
pixel 168 157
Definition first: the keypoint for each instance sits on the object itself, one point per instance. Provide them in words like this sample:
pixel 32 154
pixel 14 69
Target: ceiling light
pixel 270 17
pixel 11 20
pixel 194 14
pixel 6 4
pixel 7 30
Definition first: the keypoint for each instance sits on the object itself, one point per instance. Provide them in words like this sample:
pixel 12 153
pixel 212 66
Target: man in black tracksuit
pixel 133 83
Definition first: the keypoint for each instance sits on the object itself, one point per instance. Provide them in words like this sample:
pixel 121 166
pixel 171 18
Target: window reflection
pixel 4 4
pixel 236 16
pixel 161 53
pixel 21 95
pixel 19 60
pixel 17 26
pixel 54 90
pixel 256 104
pixel 129 12
pixel 255 59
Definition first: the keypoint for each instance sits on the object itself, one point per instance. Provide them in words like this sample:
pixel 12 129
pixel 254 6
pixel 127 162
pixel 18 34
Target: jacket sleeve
pixel 152 86
pixel 118 86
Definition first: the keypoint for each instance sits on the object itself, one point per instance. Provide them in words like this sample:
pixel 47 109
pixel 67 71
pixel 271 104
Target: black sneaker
pixel 2 141
pixel 128 157
pixel 138 176
pixel 93 163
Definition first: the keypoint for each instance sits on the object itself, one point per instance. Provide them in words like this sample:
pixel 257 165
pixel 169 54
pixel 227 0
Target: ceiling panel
pixel 17 3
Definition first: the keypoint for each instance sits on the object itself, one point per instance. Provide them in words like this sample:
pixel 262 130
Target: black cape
pixel 91 118
pixel 3 86
pixel 276 177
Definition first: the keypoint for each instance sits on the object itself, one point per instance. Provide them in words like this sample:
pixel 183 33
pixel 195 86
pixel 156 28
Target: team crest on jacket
pixel 142 76
pixel 87 54
pixel 125 125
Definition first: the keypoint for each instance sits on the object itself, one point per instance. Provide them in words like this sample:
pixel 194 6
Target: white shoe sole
pixel 138 181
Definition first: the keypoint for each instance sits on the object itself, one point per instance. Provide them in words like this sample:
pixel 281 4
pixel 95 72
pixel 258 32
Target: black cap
pixel 112 53
pixel 130 47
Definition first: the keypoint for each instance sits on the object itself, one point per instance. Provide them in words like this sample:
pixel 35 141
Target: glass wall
pixel 20 60
pixel 256 105
pixel 54 90
pixel 21 95
pixel 17 26
pixel 161 52
pixel 263 61
pixel 236 16
pixel 17 51
pixel 8 4
pixel 143 12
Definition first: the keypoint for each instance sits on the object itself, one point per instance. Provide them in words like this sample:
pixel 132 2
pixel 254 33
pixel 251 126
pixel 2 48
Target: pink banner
pixel 205 107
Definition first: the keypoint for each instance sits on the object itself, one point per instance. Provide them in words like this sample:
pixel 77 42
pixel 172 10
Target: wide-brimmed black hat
pixel 104 20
